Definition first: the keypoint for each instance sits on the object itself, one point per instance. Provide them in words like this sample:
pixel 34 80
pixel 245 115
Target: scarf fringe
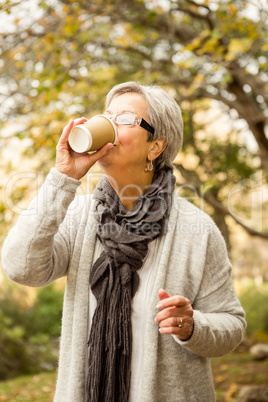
pixel 96 355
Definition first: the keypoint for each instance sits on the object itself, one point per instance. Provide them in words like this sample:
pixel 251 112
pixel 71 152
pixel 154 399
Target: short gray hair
pixel 164 114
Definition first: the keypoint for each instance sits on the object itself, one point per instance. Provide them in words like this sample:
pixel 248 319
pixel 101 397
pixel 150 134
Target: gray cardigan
pixel 56 236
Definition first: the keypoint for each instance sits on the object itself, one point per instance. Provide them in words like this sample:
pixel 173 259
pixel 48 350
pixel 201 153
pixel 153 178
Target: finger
pixel 67 129
pixel 80 120
pixel 175 301
pixel 171 312
pixel 65 134
pixel 163 294
pixel 183 333
pixel 173 322
pixel 170 330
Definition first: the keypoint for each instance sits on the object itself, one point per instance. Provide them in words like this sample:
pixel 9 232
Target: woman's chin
pixel 107 160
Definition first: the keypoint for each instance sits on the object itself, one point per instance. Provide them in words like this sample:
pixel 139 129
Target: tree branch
pixel 210 198
pixel 206 18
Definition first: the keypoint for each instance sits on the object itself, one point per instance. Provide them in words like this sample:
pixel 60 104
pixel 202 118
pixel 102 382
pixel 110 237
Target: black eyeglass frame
pixel 147 126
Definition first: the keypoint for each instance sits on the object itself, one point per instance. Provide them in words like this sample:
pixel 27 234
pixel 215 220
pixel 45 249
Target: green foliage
pixel 255 303
pixel 45 315
pixel 29 335
pixel 62 65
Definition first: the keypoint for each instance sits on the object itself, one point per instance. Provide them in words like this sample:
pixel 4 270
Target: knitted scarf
pixel 114 280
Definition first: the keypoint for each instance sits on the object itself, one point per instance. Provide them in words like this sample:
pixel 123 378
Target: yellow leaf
pixel 265 47
pixel 198 78
pixel 232 8
pixel 238 46
pixel 69 19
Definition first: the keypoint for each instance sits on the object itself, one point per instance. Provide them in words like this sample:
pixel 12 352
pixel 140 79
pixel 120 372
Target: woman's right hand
pixel 71 163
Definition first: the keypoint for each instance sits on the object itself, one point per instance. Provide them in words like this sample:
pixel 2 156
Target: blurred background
pixel 58 60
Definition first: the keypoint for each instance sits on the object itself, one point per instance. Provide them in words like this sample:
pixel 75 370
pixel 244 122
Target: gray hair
pixel 164 114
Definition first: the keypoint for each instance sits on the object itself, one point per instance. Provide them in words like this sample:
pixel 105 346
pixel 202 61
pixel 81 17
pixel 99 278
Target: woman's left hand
pixel 175 315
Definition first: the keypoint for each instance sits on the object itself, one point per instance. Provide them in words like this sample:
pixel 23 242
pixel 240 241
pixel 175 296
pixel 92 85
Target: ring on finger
pixel 180 325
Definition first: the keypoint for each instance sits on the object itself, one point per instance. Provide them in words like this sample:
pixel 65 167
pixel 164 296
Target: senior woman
pixel 149 296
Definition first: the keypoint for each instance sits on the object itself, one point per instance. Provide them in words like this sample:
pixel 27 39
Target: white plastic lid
pixel 80 139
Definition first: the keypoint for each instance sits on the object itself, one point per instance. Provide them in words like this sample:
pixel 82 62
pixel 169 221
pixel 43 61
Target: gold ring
pixel 180 324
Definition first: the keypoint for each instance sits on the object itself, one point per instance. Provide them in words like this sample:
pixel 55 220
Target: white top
pixel 140 303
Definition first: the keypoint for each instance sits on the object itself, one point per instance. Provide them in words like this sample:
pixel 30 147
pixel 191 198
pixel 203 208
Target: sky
pixel 29 8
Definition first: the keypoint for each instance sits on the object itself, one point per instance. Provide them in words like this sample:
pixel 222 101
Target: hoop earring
pixel 149 167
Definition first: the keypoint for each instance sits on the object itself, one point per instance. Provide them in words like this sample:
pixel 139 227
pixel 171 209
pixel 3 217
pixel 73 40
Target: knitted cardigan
pixel 56 236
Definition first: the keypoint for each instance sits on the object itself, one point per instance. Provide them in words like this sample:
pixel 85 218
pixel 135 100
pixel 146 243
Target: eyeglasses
pixel 129 119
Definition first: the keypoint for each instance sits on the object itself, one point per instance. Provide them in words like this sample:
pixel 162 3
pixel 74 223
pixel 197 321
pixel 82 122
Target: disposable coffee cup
pixel 93 134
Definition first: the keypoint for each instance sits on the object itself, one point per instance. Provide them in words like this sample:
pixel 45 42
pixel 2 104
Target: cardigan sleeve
pixel 37 249
pixel 219 319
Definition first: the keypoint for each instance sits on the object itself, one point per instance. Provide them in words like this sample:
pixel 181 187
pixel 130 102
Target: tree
pixel 64 61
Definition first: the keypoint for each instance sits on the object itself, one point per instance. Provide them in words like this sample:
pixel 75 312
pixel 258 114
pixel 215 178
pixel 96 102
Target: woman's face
pixel 131 147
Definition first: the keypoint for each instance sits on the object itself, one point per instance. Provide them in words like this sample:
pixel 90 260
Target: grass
pixel 38 388
pixel 230 372
pixel 235 370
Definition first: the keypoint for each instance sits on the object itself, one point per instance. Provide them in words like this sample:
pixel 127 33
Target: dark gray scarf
pixel 125 236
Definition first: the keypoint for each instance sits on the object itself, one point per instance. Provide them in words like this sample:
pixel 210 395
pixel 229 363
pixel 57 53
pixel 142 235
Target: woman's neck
pixel 129 187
